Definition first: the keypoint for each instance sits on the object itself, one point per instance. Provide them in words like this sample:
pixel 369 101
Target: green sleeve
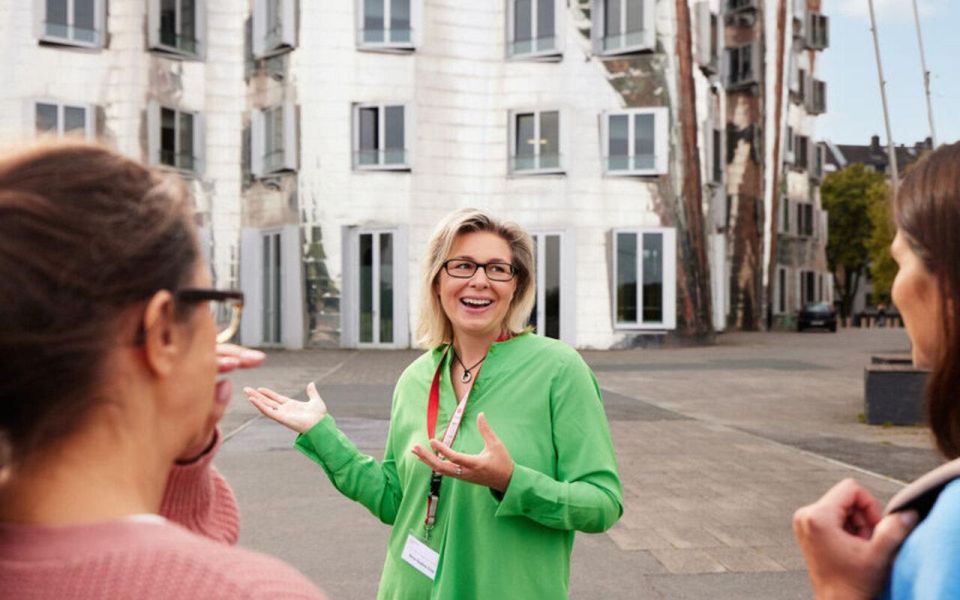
pixel 586 496
pixel 356 475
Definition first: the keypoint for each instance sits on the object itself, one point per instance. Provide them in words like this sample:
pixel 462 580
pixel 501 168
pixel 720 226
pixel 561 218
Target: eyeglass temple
pixel 224 336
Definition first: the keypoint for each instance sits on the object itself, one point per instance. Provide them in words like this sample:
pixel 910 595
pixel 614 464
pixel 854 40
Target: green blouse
pixel 543 402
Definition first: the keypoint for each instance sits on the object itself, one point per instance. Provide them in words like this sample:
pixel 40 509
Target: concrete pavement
pixel 717 446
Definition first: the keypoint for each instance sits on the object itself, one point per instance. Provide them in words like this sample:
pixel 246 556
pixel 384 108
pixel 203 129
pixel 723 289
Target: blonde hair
pixel 434 327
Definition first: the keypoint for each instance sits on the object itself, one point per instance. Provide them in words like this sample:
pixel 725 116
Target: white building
pixel 160 81
pixel 324 142
pixel 371 120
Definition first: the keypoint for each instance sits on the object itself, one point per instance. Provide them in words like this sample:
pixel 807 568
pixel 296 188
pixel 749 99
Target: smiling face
pixel 916 294
pixel 477 306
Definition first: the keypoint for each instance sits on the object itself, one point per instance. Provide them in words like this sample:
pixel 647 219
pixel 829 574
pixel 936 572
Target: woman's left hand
pixel 848 543
pixel 232 356
pixel 229 358
pixel 492 468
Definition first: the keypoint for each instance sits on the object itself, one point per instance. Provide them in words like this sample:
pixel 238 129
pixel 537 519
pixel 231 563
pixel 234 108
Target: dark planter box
pixel 893 394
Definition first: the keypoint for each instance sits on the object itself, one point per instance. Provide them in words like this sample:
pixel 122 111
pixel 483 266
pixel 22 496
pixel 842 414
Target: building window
pixel 635 141
pixel 717 155
pixel 176 26
pixel 380 137
pixel 789 154
pixel 817 101
pixel 801 85
pixel 175 137
pixel 735 5
pixel 708 38
pixel 535 142
pixel 818 32
pixel 73 22
pixel 645 271
pixel 53 118
pixel 621 26
pixel 819 161
pixel 781 290
pixel 274 27
pixel 801 151
pixel 808 287
pixel 805 219
pixel 742 65
pixel 387 24
pixel 273 140
pixel 532 28
pixel 785 215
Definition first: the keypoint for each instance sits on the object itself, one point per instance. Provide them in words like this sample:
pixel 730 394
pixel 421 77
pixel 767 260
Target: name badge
pixel 420 556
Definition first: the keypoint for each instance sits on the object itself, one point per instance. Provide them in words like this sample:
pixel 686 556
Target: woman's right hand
pixel 848 544
pixel 294 414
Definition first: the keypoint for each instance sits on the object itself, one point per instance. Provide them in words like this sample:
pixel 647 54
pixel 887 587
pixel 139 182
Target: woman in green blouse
pixel 498 448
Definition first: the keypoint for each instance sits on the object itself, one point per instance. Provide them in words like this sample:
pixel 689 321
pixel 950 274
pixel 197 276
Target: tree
pixel 882 266
pixel 849 196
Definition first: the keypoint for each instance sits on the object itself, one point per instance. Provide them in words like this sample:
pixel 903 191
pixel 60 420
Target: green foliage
pixel 883 268
pixel 852 196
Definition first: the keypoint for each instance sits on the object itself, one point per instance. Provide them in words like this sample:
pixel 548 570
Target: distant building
pixel 874 156
pixel 777 225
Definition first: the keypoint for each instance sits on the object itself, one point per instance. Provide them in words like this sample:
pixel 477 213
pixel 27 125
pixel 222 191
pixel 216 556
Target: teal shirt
pixel 543 402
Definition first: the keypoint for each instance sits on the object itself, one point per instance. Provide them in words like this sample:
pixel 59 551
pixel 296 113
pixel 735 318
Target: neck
pixel 471 348
pixel 103 472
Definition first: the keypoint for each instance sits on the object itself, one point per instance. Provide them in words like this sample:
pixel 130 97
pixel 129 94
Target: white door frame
pixel 291 306
pixel 350 301
pixel 568 331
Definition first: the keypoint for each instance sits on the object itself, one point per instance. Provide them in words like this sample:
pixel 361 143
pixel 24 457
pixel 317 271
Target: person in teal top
pixel 852 548
pixel 520 457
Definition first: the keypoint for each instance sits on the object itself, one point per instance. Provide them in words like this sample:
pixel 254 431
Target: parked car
pixel 817 314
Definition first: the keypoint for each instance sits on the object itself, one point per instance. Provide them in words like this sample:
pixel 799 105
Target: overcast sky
pixel 854 110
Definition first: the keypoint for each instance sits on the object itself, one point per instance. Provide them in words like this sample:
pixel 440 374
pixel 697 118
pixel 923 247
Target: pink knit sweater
pixel 146 558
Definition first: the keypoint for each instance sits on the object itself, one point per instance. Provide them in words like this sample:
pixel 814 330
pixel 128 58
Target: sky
pixel 854 109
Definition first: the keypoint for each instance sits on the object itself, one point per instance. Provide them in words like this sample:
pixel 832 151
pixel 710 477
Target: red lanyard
pixel 433 408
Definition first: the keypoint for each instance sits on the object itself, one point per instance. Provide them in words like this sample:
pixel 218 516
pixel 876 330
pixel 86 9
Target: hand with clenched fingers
pixel 293 414
pixel 848 543
pixel 492 468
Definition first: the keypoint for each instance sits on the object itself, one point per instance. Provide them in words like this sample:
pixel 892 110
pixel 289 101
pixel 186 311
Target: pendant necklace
pixel 467 375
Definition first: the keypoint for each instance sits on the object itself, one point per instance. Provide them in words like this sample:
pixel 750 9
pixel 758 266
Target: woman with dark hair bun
pixel 109 398
pixel 850 546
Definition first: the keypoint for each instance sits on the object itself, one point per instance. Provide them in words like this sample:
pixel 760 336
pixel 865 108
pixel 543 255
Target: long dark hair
pixel 85 234
pixel 927 212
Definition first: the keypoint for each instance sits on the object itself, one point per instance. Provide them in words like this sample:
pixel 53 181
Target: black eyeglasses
pixel 462 268
pixel 226 306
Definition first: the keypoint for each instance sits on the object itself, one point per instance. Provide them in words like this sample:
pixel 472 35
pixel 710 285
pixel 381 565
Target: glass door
pixel 546 315
pixel 272 288
pixel 376 254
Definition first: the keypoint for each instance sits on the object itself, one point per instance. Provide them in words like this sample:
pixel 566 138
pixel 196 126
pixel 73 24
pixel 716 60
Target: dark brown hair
pixel 85 234
pixel 927 212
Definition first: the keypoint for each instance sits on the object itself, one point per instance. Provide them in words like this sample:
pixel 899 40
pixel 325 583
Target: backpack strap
pixel 922 493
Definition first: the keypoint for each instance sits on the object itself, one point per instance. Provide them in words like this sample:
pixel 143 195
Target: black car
pixel 817 314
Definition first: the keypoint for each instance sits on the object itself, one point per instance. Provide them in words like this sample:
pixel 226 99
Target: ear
pixel 161 339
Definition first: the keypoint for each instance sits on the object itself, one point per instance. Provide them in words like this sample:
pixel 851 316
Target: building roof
pixel 874 155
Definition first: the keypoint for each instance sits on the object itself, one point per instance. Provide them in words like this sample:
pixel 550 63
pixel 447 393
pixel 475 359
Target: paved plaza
pixel 717 446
